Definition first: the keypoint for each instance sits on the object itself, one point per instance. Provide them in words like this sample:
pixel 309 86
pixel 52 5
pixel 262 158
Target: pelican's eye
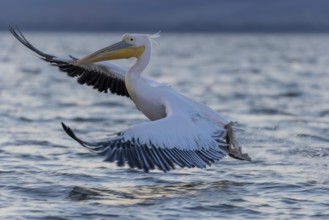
pixel 129 39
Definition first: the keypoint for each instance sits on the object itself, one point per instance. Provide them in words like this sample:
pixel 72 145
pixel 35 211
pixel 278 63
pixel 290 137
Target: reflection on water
pixel 145 194
pixel 276 86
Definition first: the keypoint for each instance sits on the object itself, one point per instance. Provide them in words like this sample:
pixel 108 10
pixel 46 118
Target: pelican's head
pixel 131 45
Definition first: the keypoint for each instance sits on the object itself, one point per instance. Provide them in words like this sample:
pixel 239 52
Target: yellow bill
pixel 120 50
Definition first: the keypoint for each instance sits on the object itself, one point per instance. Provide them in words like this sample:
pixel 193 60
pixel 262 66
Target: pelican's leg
pixel 234 150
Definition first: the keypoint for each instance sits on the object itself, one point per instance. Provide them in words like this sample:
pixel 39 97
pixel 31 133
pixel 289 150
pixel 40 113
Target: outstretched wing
pixel 187 141
pixel 103 76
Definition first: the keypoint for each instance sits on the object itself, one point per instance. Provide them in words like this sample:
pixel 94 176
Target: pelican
pixel 181 131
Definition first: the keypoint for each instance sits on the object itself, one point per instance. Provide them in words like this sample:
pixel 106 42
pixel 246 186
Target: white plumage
pixel 180 132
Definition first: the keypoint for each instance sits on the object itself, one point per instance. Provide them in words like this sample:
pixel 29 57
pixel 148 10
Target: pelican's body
pixel 181 131
pixel 147 96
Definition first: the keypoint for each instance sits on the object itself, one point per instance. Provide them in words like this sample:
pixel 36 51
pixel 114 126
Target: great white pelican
pixel 180 132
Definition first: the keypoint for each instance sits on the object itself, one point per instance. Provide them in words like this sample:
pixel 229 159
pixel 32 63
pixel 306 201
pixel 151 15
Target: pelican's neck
pixel 133 76
pixel 141 62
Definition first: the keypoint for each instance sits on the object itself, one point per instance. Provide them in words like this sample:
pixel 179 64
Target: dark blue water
pixel 276 86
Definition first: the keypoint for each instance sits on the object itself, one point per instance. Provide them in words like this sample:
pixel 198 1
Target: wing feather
pixel 153 150
pixel 103 76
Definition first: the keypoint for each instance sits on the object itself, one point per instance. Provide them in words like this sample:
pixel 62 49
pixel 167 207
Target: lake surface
pixel 276 86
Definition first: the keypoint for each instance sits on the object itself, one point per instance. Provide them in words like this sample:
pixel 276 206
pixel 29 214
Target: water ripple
pixel 277 93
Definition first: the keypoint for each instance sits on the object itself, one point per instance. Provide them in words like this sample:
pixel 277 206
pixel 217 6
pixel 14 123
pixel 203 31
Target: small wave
pixel 324 113
pixel 225 208
pixel 25 119
pixel 290 94
pixel 99 215
pixel 33 157
pixel 268 111
pixel 291 200
pixel 90 119
pixel 30 70
pixel 5 59
pixel 311 152
pixel 109 104
pixel 82 193
pixel 29 142
pixel 314 137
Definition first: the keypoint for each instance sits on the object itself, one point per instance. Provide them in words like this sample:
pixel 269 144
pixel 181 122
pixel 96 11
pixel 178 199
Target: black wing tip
pixel 70 133
pixel 17 33
pixel 67 129
pixel 15 30
pixel 12 28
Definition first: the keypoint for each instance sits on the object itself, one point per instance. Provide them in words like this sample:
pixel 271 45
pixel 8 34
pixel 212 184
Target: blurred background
pixel 177 16
pixel 263 63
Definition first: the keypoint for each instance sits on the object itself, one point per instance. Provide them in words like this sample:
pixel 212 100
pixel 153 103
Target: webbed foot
pixel 234 150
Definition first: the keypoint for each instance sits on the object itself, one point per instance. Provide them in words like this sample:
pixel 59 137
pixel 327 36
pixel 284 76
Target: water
pixel 276 86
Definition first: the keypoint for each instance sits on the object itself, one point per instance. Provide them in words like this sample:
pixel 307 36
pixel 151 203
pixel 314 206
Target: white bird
pixel 180 132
